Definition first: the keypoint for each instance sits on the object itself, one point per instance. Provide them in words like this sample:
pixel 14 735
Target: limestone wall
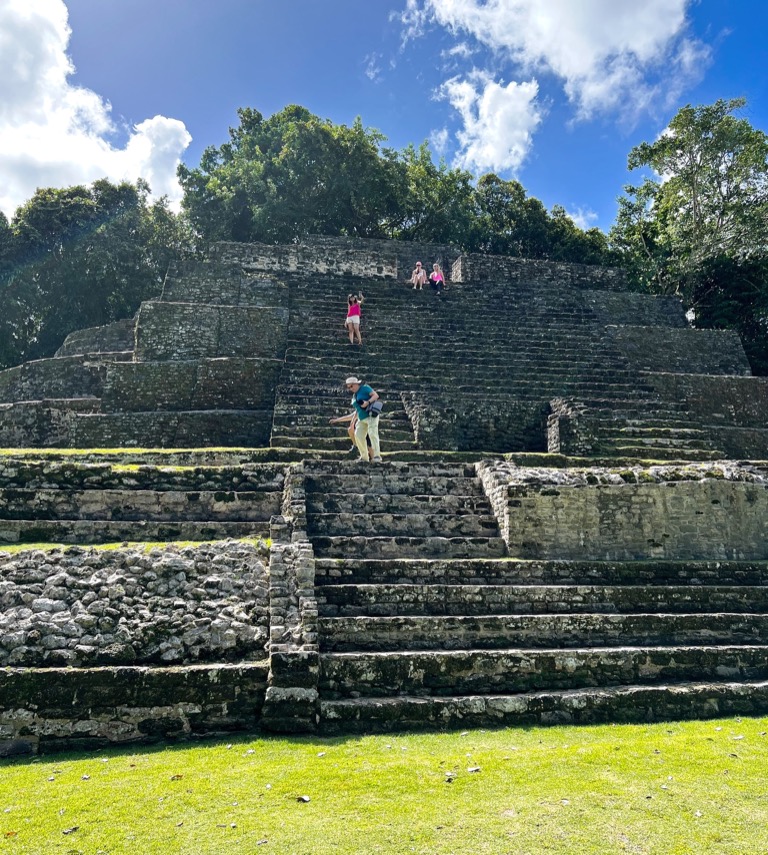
pixel 125 704
pixel 702 511
pixel 682 350
pixel 188 429
pixel 297 258
pixel 41 424
pixel 65 377
pixel 208 384
pixel 718 400
pixel 107 339
pixel 732 409
pixel 406 253
pixel 179 331
pixel 631 309
pixel 493 268
pixel 221 285
pixel 80 607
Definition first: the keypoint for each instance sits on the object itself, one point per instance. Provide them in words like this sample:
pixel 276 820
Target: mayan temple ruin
pixel 569 525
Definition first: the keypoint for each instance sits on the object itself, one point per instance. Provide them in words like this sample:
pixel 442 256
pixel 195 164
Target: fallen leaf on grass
pixel 10 834
pixel 71 830
pixel 737 737
pixel 698 813
pixel 262 842
pixel 302 798
pixel 86 778
pixel 176 777
pixel 473 769
pixel 179 824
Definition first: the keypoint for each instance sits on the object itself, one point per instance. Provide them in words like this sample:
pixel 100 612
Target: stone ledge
pixel 48 709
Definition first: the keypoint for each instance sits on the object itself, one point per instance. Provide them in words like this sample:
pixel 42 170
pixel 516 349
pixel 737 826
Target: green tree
pixel 290 175
pixel 80 257
pixel 698 228
pixel 436 203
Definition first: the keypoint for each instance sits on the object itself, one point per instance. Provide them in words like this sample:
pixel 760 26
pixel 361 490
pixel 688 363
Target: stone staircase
pixel 439 629
pixel 72 502
pixel 471 351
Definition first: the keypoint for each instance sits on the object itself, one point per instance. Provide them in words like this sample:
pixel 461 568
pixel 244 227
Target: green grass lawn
pixel 670 788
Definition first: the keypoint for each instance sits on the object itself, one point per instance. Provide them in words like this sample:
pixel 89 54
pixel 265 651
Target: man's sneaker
pixel 377 460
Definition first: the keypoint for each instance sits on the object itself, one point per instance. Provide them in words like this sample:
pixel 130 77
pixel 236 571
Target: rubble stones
pixel 96 607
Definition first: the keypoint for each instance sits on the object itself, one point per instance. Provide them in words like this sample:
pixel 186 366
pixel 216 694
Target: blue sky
pixel 551 92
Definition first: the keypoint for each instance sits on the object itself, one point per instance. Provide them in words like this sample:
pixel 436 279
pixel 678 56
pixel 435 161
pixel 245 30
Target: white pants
pixel 367 427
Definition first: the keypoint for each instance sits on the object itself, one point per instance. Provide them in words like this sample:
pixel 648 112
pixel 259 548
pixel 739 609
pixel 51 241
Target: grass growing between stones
pixel 694 787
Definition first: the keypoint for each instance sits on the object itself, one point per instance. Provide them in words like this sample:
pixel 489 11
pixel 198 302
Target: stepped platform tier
pixel 568 525
pixel 515 356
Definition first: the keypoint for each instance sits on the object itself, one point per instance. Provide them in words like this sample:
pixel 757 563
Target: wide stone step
pixel 384 481
pixel 645 452
pixel 72 474
pixel 413 547
pixel 640 704
pixel 114 531
pixel 139 505
pixel 400 599
pixel 402 524
pixel 508 571
pixel 324 364
pixel 562 630
pixel 335 503
pixel 395 430
pixel 341 444
pixel 483 672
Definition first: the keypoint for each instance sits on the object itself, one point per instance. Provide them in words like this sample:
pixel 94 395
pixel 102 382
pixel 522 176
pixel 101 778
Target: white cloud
pixel 55 134
pixel 373 66
pixel 413 19
pixel 439 141
pixel 583 217
pixel 611 55
pixel 499 121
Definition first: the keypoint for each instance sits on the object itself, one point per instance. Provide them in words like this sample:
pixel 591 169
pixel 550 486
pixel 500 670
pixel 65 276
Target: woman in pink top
pixel 437 279
pixel 352 322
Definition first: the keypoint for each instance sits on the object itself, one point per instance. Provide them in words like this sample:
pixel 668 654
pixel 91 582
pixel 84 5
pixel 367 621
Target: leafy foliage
pixel 80 257
pixel 699 229
pixel 294 174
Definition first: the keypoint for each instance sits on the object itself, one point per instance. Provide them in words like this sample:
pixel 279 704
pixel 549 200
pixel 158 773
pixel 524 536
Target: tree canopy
pixel 295 174
pixel 699 227
pixel 80 257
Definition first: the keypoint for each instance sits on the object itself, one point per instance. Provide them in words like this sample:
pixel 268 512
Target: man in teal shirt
pixel 367 425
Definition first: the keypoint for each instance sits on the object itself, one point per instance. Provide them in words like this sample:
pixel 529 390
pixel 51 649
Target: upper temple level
pixel 246 347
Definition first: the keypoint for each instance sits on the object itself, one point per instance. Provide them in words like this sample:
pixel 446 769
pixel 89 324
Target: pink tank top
pixel 354 310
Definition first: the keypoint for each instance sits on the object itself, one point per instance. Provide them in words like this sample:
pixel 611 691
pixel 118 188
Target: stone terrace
pixel 555 534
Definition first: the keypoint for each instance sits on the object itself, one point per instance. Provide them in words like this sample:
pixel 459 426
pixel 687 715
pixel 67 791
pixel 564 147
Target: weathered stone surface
pixel 80 709
pixel 687 512
pixel 682 350
pixel 179 331
pixel 170 605
pixel 112 338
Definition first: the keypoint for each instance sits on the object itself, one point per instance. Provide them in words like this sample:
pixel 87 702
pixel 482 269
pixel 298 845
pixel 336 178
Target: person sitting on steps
pixel 352 323
pixel 437 279
pixel 367 426
pixel 418 277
